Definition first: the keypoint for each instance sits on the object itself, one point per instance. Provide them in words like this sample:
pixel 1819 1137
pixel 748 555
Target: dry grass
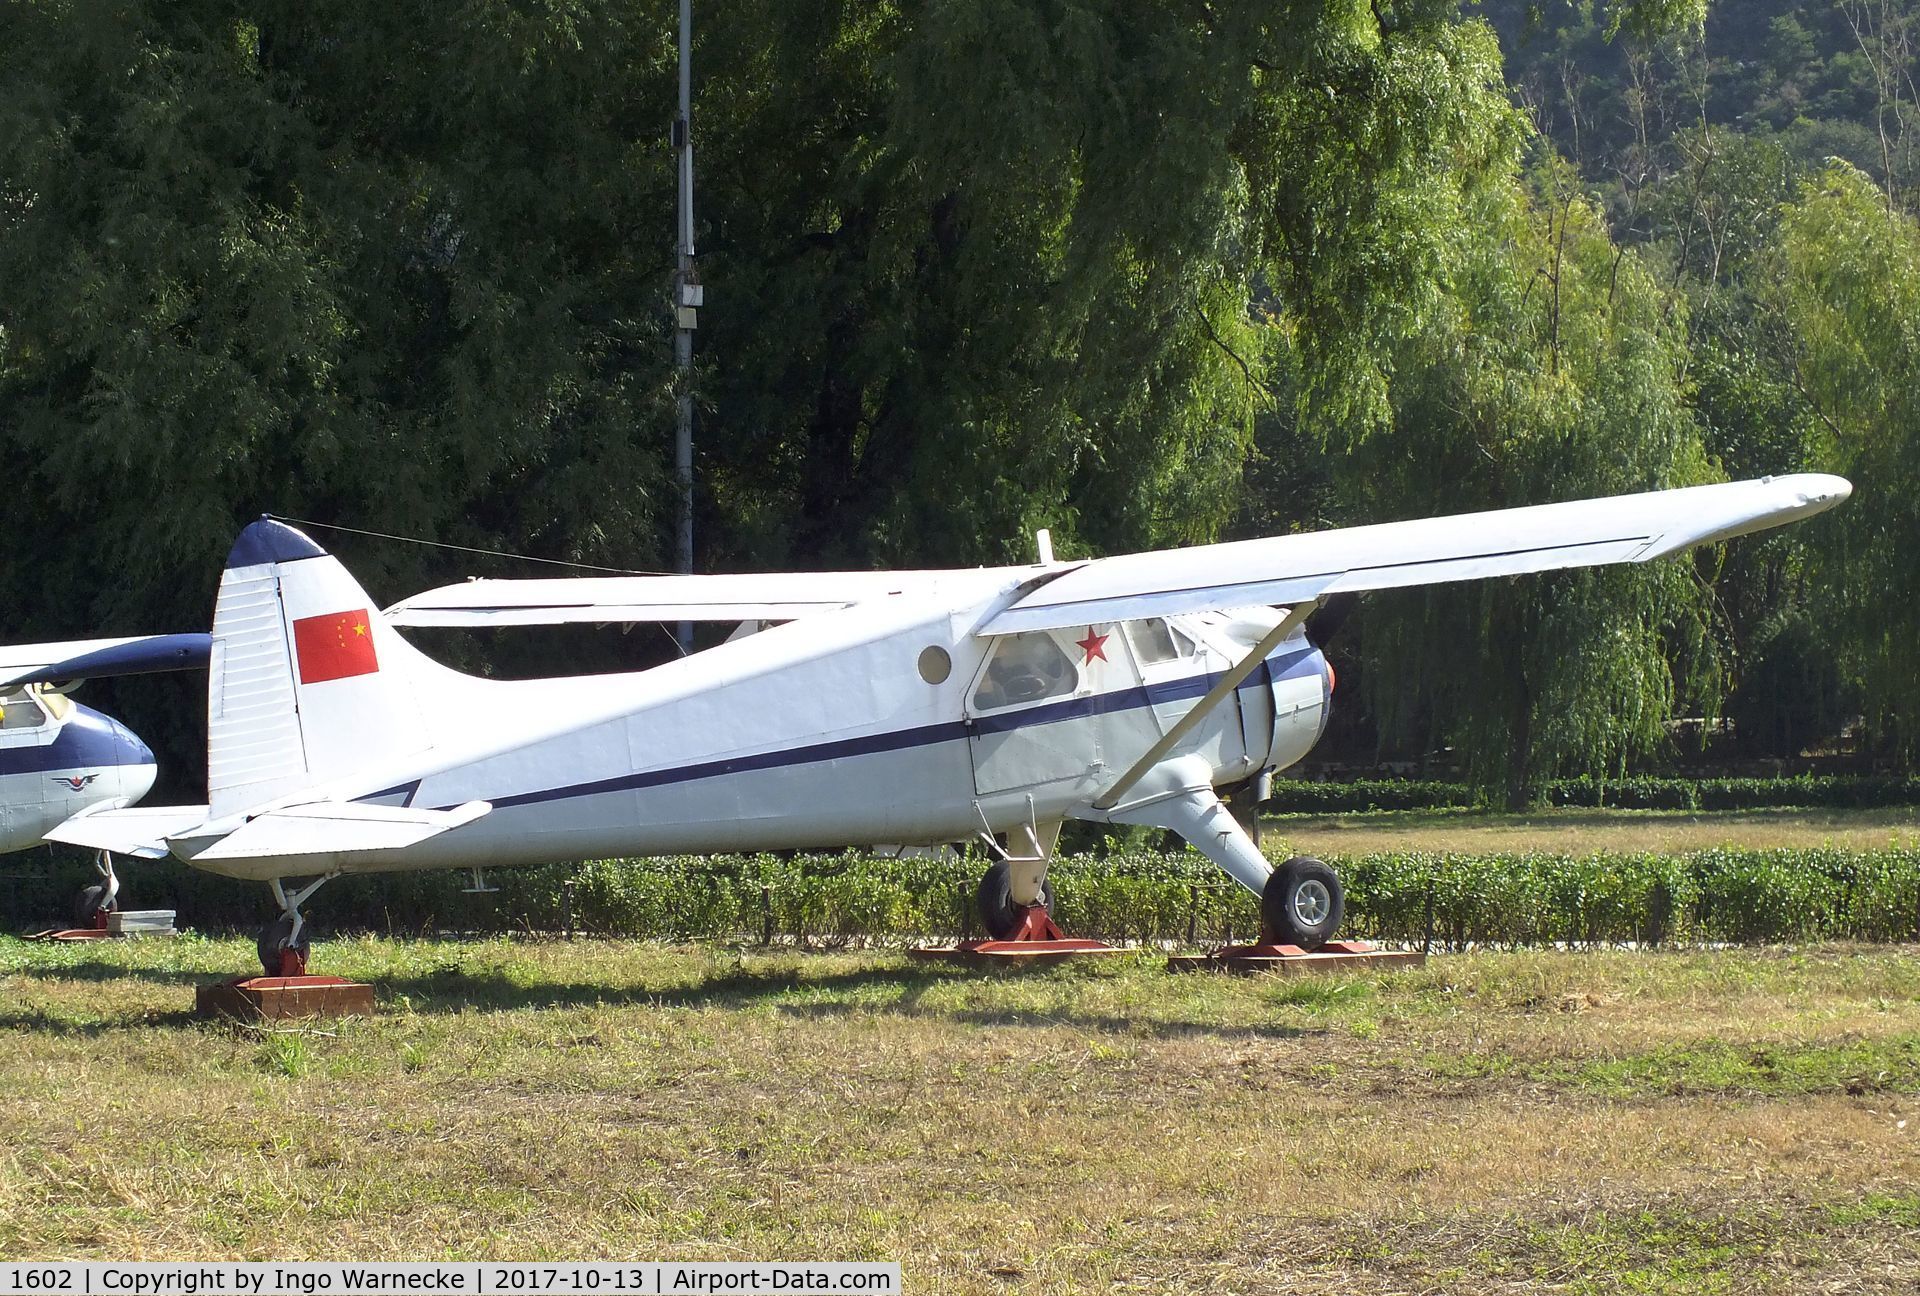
pixel 1581 831
pixel 1497 1122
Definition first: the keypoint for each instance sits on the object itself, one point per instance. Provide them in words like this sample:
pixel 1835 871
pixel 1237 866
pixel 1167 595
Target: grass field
pixel 1581 831
pixel 1709 1122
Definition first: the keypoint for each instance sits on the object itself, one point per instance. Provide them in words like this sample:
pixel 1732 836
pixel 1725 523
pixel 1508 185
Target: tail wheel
pixel 1303 903
pixel 994 901
pixel 90 903
pixel 276 943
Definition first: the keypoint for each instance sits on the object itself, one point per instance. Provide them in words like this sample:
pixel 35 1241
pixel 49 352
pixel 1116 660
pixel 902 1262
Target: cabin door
pixel 1032 716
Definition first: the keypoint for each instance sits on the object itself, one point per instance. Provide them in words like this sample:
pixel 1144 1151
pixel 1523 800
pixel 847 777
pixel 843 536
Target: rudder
pixel 307 681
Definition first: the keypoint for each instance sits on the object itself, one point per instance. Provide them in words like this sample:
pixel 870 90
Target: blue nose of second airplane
pixel 93 738
pixel 133 750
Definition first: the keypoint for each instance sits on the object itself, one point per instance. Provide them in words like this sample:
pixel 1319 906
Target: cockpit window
pixel 21 712
pixel 1024 668
pixel 1154 641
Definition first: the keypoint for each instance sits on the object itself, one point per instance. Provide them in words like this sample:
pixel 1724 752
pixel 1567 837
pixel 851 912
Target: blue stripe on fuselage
pixel 1302 663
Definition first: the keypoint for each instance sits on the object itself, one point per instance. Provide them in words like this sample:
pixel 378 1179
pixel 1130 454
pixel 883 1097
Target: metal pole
pixel 687 299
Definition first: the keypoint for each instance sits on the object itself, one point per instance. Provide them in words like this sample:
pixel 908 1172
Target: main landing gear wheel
pixel 281 952
pixel 91 903
pixel 994 901
pixel 283 942
pixel 1303 903
pixel 103 897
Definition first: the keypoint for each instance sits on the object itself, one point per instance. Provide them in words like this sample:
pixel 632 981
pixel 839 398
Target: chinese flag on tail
pixel 334 646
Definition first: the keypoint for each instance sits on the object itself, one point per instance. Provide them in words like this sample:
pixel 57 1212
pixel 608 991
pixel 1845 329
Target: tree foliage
pixel 1552 373
pixel 1850 289
pixel 973 267
pixel 1007 283
pixel 348 265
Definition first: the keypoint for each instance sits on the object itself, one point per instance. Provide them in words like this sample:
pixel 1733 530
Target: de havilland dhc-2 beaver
pixel 849 708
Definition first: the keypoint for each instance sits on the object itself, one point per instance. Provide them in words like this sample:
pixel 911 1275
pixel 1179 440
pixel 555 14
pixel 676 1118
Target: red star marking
pixel 1094 645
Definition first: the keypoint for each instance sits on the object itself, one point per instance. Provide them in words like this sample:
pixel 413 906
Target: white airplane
pixel 59 758
pixel 918 707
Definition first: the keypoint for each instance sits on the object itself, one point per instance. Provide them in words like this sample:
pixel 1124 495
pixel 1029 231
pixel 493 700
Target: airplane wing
pixel 77 659
pixel 338 828
pixel 139 831
pixel 1505 542
pixel 320 828
pixel 597 600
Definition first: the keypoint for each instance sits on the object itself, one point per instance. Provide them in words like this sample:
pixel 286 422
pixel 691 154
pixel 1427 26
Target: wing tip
pixel 1821 490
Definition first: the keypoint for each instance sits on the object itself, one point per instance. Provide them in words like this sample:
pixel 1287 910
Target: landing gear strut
pixel 284 942
pixel 1301 902
pixel 95 902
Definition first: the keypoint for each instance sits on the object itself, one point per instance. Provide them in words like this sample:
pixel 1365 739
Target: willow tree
pixel 986 265
pixel 1550 372
pixel 971 267
pixel 1849 287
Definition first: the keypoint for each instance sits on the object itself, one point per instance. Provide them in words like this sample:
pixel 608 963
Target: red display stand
pixel 1035 940
pixel 265 998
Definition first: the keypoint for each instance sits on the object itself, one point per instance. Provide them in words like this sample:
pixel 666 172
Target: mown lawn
pixel 1734 1121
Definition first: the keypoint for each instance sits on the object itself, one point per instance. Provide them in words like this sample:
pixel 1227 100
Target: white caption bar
pixel 653 1278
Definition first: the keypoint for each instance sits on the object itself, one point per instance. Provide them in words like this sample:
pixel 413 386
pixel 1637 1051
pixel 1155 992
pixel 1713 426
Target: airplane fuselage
pixel 890 721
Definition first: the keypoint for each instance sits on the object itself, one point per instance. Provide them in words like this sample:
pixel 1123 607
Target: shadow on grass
pixel 95 970
pixel 833 994
pixel 45 1023
pixel 457 988
pixel 743 988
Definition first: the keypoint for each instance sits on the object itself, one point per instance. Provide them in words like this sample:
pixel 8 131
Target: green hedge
pixel 1704 897
pixel 1820 791
pixel 1295 796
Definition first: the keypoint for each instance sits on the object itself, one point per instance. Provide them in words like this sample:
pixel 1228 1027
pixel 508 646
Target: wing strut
pixel 1295 617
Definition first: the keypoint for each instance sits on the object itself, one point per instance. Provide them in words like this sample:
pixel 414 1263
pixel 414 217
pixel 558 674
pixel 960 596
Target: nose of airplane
pixel 132 750
pixel 92 738
pixel 137 765
pixel 1322 669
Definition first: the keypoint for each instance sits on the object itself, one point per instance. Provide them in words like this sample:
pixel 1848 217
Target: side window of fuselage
pixel 1024 668
pixel 1154 642
pixel 21 712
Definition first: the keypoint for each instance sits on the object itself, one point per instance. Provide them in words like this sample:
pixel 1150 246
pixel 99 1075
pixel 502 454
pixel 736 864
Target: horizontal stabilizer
pixel 141 831
pixel 598 600
pixel 337 828
pixel 78 659
pixel 1428 551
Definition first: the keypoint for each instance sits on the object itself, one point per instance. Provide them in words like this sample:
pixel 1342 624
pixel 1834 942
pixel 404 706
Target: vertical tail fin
pixel 307 681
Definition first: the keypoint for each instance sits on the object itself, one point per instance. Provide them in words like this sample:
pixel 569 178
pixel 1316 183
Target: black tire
pixel 91 901
pixel 994 901
pixel 1303 903
pixel 273 940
